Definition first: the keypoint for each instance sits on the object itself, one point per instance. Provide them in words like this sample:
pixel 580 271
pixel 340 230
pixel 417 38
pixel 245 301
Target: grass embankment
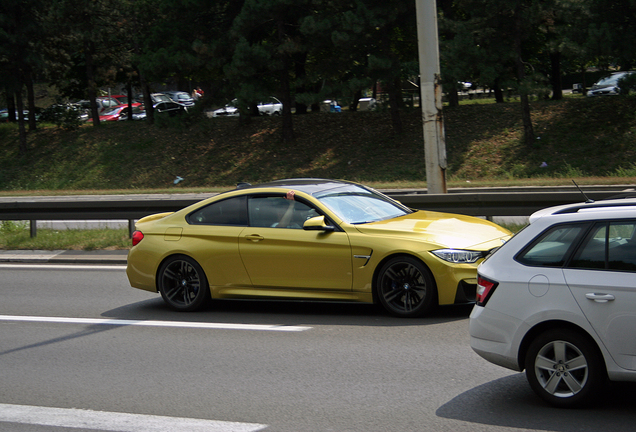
pixel 591 140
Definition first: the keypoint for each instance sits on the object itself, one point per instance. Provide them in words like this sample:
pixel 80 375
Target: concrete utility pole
pixel 431 96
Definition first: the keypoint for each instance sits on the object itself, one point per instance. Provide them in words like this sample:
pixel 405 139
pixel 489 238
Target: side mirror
pixel 317 224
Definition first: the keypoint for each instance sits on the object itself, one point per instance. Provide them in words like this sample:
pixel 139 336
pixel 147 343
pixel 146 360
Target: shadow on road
pixel 286 312
pixel 509 402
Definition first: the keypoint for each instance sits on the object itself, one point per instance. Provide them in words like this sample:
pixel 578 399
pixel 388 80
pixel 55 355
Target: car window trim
pixel 301 200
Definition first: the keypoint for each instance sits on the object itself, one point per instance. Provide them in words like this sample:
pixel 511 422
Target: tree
pixel 612 31
pixel 20 57
pixel 95 37
pixel 266 40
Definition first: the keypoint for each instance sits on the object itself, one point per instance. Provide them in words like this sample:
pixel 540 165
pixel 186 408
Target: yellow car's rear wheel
pixel 405 287
pixel 182 284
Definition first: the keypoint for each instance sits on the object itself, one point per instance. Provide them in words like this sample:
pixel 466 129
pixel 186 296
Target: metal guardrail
pixel 487 203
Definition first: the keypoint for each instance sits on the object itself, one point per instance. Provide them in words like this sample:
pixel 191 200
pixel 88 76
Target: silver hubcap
pixel 561 369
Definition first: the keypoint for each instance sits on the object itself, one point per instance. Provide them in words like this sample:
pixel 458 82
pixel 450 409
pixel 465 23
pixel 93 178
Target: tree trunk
pixel 528 130
pixel 145 89
pixel 555 75
pixel 357 95
pixel 396 120
pixel 499 97
pixel 90 78
pixel 130 100
pixel 288 121
pixel 31 102
pixel 11 109
pixel 21 128
pixel 453 97
pixel 301 75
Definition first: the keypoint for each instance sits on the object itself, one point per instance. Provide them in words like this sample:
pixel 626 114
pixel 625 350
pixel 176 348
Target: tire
pixel 565 368
pixel 405 287
pixel 182 284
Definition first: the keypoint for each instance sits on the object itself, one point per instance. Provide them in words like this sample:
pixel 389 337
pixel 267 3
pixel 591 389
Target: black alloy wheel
pixel 564 368
pixel 405 287
pixel 182 284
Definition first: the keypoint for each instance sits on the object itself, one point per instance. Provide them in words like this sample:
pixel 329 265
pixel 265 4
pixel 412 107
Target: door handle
pixel 599 298
pixel 254 237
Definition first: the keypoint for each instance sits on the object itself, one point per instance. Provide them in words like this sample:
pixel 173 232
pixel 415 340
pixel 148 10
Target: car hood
pixel 442 229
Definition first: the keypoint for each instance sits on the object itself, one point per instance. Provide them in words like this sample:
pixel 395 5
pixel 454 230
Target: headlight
pixel 458 256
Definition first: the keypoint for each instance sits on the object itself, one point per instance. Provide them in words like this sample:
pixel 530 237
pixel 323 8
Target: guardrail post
pixel 34 227
pixel 131 227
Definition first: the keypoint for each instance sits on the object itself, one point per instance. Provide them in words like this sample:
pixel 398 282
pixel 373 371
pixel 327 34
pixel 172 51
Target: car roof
pixel 308 185
pixel 607 209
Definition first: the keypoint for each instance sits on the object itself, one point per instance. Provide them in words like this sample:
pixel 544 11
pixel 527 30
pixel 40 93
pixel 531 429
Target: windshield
pixel 356 205
pixel 113 111
pixel 610 80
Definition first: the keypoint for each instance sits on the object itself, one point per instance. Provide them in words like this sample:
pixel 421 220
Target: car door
pixel 286 256
pixel 602 278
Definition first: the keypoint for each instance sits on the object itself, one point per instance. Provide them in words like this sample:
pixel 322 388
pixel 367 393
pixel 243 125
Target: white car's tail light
pixel 485 288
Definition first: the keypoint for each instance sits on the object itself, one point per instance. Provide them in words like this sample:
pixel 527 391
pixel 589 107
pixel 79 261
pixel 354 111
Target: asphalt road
pixel 81 351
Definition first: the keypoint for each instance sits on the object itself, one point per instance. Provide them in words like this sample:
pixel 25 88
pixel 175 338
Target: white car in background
pixel 608 86
pixel 270 106
pixel 559 300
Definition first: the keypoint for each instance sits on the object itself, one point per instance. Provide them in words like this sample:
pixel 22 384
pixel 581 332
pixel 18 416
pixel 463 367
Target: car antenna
pixel 587 199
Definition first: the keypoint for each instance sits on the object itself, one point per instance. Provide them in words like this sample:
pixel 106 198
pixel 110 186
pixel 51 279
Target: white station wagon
pixel 559 300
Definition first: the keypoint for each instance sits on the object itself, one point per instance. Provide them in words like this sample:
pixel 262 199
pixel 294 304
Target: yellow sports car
pixel 311 239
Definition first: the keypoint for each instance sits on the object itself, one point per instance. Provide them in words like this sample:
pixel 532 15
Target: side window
pixel 278 212
pixel 232 211
pixel 551 248
pixel 609 246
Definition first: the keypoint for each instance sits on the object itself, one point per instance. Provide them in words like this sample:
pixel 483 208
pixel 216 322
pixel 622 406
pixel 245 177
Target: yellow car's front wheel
pixel 405 287
pixel 182 284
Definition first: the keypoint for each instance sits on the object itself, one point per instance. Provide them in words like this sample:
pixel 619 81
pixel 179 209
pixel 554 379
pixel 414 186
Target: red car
pixel 115 113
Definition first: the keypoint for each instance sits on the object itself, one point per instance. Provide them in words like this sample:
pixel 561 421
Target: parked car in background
pixel 123 99
pixel 4 115
pixel 117 112
pixel 609 85
pixel 171 108
pixel 331 105
pixel 310 239
pixel 160 97
pixel 559 300
pixel 367 104
pixel 180 97
pixel 64 113
pixel 104 103
pixel 229 110
pixel 270 106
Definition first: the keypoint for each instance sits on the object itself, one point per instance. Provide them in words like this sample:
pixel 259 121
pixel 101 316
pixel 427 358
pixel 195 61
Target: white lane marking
pixel 113 421
pixel 78 266
pixel 150 323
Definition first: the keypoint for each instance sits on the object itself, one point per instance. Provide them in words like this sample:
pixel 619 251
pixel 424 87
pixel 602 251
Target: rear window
pixel 552 248
pixel 232 211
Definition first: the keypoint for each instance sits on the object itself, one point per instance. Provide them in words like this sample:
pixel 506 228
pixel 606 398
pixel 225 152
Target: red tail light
pixel 137 236
pixel 485 288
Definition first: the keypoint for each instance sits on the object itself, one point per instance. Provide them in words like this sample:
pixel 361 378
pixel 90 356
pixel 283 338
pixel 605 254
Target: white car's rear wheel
pixel 564 368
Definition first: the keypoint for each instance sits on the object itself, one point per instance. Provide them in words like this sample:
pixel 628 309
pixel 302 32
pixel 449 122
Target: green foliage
pixel 11 227
pixel 18 237
pixel 64 116
pixel 627 84
pixel 579 137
